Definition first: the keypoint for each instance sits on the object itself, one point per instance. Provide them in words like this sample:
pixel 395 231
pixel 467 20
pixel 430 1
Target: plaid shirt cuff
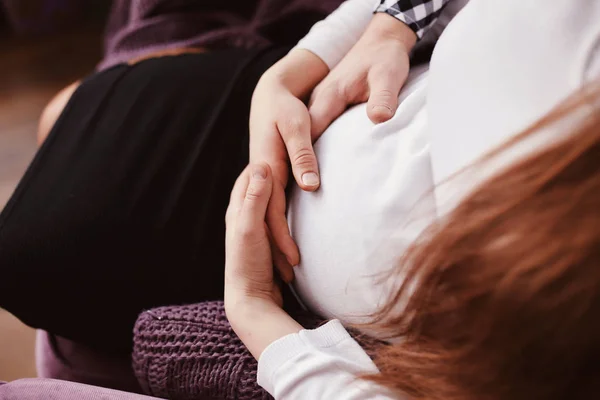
pixel 419 15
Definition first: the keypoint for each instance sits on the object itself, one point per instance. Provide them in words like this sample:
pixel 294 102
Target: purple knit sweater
pixel 138 27
pixel 191 353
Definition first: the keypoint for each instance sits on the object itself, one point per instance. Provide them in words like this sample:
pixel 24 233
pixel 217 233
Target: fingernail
pixel 289 260
pixel 310 179
pixel 259 172
pixel 289 278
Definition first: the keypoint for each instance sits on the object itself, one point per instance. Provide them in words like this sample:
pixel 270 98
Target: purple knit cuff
pixel 190 353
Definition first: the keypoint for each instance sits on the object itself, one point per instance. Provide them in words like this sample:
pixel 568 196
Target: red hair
pixel 503 295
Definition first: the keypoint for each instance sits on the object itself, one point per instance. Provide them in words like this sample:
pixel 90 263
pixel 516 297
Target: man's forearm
pixel 417 15
pixel 384 26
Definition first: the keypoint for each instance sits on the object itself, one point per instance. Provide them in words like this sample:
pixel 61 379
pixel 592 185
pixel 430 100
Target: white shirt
pixel 377 165
pixel 498 67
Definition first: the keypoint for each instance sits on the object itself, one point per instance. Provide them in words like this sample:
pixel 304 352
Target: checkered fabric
pixel 419 15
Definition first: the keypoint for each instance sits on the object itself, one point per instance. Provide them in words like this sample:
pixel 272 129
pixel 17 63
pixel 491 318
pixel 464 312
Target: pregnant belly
pixel 370 207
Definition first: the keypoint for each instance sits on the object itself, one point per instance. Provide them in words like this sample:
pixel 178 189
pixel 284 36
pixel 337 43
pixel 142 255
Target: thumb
pixel 295 132
pixel 384 87
pixel 251 219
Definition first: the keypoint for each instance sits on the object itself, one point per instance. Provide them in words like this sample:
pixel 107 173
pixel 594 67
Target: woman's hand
pixel 280 132
pixel 248 260
pixel 252 296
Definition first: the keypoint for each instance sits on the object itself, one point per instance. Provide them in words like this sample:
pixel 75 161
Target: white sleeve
pixel 324 363
pixel 332 38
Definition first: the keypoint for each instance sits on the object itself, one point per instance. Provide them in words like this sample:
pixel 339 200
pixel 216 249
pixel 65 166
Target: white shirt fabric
pixel 357 224
pixel 498 67
pixel 327 355
pixel 332 38
pixel 393 158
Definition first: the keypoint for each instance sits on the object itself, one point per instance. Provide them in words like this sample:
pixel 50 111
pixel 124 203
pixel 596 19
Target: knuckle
pixel 330 90
pixel 386 70
pixel 336 87
pixel 348 90
pixel 254 192
pixel 295 125
pixel 385 94
pixel 303 158
pixel 246 234
pixel 334 95
pixel 355 91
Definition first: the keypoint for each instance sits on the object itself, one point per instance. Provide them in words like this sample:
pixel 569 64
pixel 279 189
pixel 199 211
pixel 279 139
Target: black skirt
pixel 123 207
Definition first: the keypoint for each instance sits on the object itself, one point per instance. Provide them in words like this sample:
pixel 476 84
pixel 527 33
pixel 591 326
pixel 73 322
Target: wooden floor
pixel 31 72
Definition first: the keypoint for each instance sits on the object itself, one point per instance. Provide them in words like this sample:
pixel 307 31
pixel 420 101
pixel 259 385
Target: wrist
pixel 385 27
pixel 258 322
pixel 239 296
pixel 241 309
pixel 298 72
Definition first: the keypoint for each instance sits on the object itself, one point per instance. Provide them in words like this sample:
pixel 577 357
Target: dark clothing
pixel 123 207
pixel 138 27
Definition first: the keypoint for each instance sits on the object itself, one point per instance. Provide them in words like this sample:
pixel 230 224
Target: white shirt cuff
pixel 290 346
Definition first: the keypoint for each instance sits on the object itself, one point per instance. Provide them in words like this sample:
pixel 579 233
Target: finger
pixel 384 87
pixel 275 154
pixel 278 225
pixel 253 212
pixel 286 271
pixel 236 199
pixel 295 132
pixel 326 105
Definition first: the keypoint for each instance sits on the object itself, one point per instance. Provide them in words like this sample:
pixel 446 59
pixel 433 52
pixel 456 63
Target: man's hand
pixel 373 71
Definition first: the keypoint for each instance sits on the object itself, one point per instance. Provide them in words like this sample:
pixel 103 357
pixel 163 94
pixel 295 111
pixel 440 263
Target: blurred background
pixel 44 46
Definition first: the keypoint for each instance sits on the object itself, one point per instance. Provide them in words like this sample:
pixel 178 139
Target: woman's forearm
pixel 297 364
pixel 299 72
pixel 332 38
pixel 259 323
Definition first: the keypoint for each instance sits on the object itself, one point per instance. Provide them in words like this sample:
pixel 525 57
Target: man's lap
pixel 123 207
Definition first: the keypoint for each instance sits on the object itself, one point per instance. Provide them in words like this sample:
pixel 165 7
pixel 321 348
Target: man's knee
pixel 53 110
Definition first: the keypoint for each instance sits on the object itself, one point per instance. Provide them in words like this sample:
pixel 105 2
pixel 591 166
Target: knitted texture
pixel 191 353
